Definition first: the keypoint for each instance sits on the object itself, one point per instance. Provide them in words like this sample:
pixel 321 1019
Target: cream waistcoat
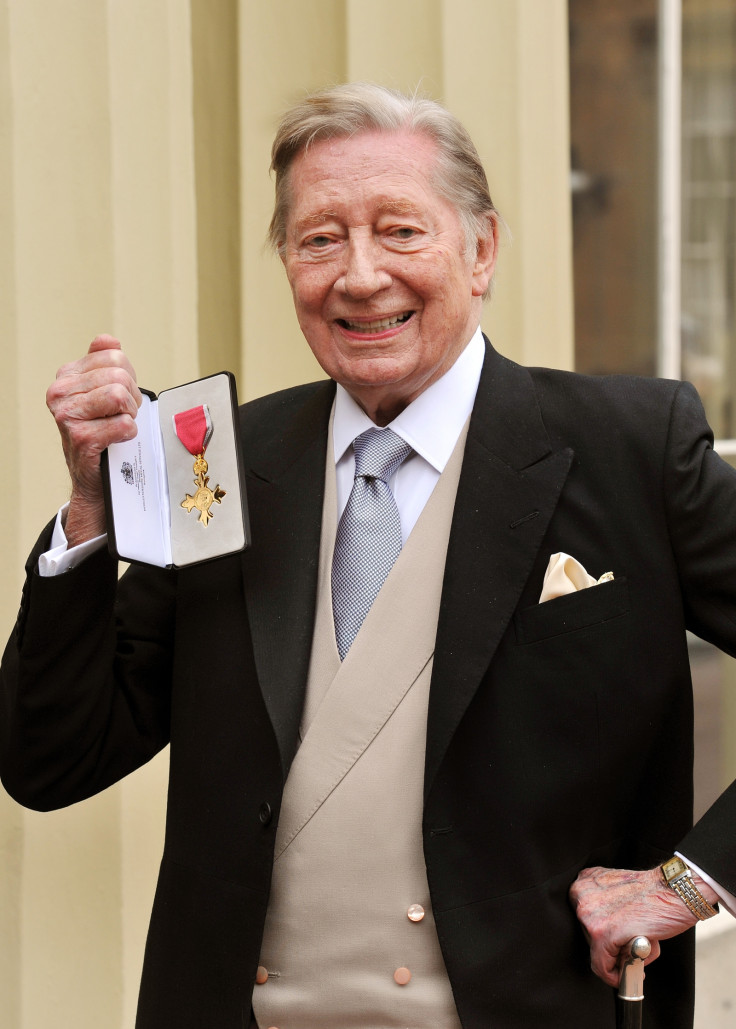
pixel 349 862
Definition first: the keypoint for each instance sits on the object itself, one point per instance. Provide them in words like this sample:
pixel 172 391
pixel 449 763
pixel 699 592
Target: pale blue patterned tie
pixel 368 537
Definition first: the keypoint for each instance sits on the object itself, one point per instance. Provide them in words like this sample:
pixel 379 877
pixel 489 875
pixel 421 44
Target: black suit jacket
pixel 559 736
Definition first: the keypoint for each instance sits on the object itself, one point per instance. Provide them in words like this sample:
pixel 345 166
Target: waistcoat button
pixel 265 813
pixel 402 976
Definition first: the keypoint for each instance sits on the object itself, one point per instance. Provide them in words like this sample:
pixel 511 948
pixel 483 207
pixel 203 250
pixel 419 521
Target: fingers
pixel 94 402
pixel 104 342
pixel 607 960
pixel 102 384
pixel 105 361
pixel 94 393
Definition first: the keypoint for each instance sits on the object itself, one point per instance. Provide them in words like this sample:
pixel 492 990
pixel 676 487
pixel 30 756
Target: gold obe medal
pixel 194 429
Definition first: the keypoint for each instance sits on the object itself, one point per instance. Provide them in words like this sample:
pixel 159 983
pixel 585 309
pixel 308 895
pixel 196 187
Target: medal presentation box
pixel 175 495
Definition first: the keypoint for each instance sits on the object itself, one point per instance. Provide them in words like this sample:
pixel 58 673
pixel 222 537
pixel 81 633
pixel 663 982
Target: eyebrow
pixel 318 218
pixel 386 205
pixel 392 205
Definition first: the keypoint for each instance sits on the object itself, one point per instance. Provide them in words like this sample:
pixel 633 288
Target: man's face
pixel 384 291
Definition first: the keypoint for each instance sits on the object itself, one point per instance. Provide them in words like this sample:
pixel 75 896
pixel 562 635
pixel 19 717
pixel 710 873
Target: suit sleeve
pixel 700 496
pixel 85 679
pixel 701 503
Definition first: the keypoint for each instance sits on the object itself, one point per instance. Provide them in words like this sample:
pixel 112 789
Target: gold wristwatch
pixel 680 879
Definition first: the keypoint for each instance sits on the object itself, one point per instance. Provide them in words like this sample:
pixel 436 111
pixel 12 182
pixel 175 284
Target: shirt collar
pixel 432 423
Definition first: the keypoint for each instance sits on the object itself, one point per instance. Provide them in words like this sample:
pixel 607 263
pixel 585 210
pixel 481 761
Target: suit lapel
pixel 509 487
pixel 285 482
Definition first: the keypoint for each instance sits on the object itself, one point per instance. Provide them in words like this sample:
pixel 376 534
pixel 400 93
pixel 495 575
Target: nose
pixel 364 273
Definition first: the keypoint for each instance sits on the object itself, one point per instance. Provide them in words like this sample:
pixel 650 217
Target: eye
pixel 318 242
pixel 404 232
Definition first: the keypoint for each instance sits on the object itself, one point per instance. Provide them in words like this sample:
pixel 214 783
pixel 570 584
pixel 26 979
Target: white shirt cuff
pixel 727 899
pixel 61 557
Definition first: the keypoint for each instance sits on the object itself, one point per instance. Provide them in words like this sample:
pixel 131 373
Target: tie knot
pixel 378 453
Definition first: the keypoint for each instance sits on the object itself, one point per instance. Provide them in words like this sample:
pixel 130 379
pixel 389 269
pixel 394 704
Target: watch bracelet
pixel 690 895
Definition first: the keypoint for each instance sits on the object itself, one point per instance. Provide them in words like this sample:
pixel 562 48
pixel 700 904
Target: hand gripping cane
pixel 631 987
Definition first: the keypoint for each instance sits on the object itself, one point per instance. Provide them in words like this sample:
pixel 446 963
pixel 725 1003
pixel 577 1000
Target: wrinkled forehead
pixel 397 169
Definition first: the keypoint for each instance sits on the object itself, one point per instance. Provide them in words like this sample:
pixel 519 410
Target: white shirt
pixel 61 557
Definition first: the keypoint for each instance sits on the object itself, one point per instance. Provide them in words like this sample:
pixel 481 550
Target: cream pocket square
pixel 566 575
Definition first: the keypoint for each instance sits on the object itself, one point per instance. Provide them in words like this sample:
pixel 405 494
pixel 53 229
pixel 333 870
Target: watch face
pixel 675 866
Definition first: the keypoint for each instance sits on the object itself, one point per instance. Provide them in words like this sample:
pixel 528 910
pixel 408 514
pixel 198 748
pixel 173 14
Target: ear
pixel 485 257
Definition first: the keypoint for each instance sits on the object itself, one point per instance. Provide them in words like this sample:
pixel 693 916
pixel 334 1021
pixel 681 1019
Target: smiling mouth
pixel 375 326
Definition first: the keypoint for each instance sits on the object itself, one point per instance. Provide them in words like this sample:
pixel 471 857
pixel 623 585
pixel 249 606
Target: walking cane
pixel 631 987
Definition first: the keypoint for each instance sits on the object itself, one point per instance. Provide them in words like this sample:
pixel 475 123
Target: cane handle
pixel 631 986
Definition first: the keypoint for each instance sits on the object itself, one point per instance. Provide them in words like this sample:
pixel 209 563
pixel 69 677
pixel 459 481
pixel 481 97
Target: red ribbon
pixel 194 428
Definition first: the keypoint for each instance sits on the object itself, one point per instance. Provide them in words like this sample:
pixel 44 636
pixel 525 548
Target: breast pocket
pixel 588 607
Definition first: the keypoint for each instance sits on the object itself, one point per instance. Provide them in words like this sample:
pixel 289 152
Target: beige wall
pixel 134 198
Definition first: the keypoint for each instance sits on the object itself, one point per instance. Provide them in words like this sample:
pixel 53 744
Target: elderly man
pixel 409 774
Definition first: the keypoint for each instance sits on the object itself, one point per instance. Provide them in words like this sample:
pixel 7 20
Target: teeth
pixel 378 325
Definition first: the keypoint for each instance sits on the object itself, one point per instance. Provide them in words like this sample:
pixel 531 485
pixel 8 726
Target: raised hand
pixel 94 402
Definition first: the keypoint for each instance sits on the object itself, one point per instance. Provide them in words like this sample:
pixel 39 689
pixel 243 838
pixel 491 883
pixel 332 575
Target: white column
pixel 669 194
